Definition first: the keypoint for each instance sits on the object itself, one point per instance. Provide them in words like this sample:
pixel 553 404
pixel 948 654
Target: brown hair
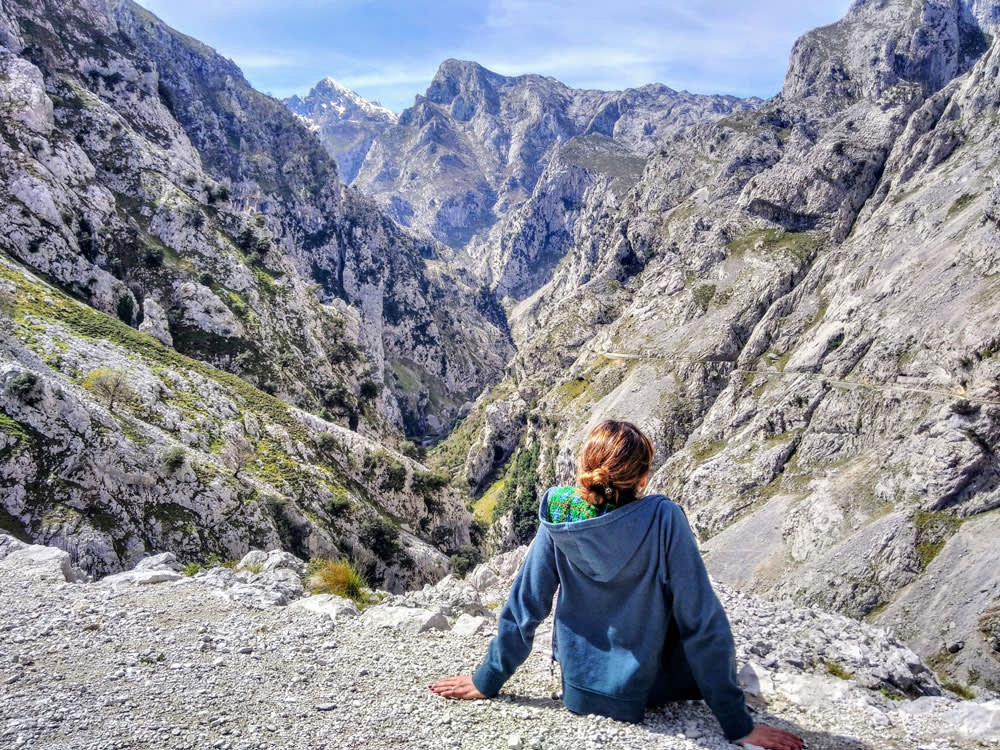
pixel 613 460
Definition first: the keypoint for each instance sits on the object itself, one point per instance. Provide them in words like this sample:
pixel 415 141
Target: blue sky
pixel 388 51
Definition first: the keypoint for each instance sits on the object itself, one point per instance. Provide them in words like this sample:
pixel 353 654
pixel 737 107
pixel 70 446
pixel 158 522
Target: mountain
pixel 479 147
pixel 208 340
pixel 345 122
pixel 796 302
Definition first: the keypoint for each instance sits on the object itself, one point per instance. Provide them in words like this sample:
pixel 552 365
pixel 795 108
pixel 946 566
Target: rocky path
pixel 185 665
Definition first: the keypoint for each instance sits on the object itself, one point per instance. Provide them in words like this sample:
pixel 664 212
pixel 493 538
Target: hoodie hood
pixel 600 547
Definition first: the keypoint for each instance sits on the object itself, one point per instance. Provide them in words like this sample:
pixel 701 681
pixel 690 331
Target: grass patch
pixel 800 245
pixel 933 532
pixel 703 295
pixel 961 203
pixel 337 577
pixel 571 390
pixel 705 449
pixel 962 691
pixel 484 507
pixel 838 670
pixel 52 305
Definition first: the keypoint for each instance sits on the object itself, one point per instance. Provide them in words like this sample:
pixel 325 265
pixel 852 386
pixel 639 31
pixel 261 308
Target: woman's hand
pixel 460 687
pixel 773 739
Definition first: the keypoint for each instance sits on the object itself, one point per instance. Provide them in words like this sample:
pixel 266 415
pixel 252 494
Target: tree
pixel 173 458
pixel 111 386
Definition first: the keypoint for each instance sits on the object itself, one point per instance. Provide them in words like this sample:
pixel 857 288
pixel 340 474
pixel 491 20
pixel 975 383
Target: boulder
pixel 141 577
pixel 42 563
pixel 327 604
pixel 469 625
pixel 254 559
pixel 162 561
pixel 278 559
pixel 409 620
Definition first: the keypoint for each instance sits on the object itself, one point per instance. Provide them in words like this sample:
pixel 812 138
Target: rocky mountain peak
pixel 465 86
pixel 889 46
pixel 331 99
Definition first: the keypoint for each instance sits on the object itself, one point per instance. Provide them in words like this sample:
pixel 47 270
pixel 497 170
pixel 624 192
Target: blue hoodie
pixel 632 586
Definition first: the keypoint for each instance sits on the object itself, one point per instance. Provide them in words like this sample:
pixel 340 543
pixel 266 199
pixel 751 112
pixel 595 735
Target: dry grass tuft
pixel 337 577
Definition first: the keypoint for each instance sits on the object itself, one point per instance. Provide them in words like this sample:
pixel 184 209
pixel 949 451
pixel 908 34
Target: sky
pixel 388 50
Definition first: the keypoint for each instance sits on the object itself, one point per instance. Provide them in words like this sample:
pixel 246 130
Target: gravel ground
pixel 176 665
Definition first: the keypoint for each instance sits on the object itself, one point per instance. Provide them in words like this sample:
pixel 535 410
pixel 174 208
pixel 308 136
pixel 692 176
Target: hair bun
pixel 599 476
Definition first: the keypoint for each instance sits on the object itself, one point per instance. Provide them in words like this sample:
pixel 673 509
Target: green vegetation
pixel 110 386
pixel 962 691
pixel 450 454
pixel 520 495
pixel 934 529
pixel 191 568
pixel 484 508
pixel 465 559
pixel 703 294
pixel 173 458
pixel 338 505
pixel 838 670
pixel 428 483
pixel 24 387
pixel 961 203
pixel 49 304
pixel 800 245
pixel 337 577
pixel 571 390
pixel 704 450
pixel 381 536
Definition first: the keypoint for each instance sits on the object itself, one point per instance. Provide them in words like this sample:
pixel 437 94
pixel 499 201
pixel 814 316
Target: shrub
pixel 409 449
pixel 369 389
pixel 125 309
pixel 191 568
pixel 464 560
pixel 395 477
pixel 111 386
pixel 337 505
pixel 428 482
pixel 154 257
pixel 239 454
pixel 173 458
pixel 327 442
pixel 959 689
pixel 337 577
pixel 380 535
pixel 24 387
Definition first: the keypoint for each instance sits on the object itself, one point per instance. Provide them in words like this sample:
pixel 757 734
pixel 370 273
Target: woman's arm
pixel 529 603
pixel 705 634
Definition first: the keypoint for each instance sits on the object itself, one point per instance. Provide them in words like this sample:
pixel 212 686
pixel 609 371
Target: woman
pixel 637 623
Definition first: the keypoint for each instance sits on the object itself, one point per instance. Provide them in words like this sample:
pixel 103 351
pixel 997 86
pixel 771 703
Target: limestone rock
pixel 327 604
pixel 40 562
pixel 409 620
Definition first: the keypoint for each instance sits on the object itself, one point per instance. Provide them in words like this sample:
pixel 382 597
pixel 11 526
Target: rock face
pixel 345 122
pixel 180 273
pixel 479 147
pixel 181 649
pixel 146 177
pixel 796 302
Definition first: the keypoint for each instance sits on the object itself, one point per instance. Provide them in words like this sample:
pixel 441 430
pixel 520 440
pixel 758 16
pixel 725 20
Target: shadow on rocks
pixel 663 721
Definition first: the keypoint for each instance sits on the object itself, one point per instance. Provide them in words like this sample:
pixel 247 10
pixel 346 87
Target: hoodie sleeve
pixel 704 630
pixel 529 603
